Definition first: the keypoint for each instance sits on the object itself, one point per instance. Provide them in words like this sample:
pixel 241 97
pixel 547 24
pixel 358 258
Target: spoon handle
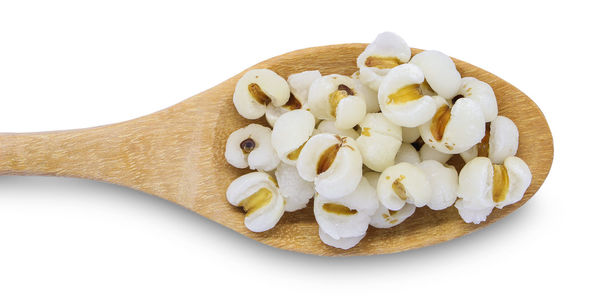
pixel 87 153
pixel 145 154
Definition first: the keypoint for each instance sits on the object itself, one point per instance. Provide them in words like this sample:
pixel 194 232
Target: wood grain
pixel 177 154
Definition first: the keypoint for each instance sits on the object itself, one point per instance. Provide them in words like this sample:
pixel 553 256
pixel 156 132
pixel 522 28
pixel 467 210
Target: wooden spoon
pixel 177 154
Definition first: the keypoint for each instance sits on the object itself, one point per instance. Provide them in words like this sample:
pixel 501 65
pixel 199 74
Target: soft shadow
pixel 431 254
pixel 247 247
pixel 125 196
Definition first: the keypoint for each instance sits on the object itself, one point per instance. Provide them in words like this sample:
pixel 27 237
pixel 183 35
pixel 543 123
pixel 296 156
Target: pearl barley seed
pixel 377 150
pixel 256 89
pixel 401 99
pixel 333 163
pixel 482 93
pixel 349 215
pixel 483 186
pixel 403 183
pixel 386 218
pixel 444 184
pixel 251 146
pixel 454 129
pixel 379 141
pixel 295 190
pixel 334 97
pixel 383 217
pixel 501 140
pixel 290 133
pixel 387 51
pixel 299 84
pixel 257 193
pixel 440 72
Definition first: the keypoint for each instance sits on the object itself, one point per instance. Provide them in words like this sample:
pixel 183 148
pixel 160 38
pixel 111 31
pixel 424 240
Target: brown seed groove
pixel 439 122
pixel 327 158
pixel 338 209
pixel 483 148
pixel 294 154
pixel 335 97
pixel 292 103
pixel 399 189
pixel 256 201
pixel 406 94
pixel 500 186
pixel 258 94
pixel 382 62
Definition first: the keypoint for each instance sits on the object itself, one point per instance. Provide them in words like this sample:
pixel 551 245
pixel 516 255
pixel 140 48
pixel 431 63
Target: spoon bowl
pixel 178 154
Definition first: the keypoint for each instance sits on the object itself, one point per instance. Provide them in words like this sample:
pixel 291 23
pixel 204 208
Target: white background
pixel 69 64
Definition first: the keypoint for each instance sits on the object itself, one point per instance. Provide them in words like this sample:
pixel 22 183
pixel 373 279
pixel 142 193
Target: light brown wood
pixel 177 154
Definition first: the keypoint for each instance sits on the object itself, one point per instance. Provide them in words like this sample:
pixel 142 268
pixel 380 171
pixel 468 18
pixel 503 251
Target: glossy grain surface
pixel 177 154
